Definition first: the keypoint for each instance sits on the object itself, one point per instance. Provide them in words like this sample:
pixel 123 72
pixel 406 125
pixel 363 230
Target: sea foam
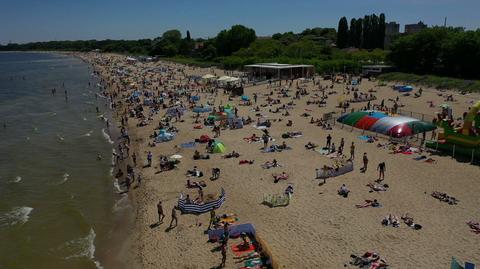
pixel 17 216
pixel 107 136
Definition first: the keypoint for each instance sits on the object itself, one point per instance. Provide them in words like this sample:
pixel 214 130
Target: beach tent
pixel 232 79
pixel 208 76
pixel 237 123
pixel 233 231
pixel 204 139
pixel 218 147
pixel 199 109
pixel 245 98
pixel 164 137
pixel 224 78
pixel 406 89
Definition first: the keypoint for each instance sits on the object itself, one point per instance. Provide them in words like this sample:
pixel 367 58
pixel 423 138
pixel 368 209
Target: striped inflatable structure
pixel 200 208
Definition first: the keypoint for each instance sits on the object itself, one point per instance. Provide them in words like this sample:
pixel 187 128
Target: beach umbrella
pixel 444 106
pixel 176 156
pixel 202 109
pixel 208 76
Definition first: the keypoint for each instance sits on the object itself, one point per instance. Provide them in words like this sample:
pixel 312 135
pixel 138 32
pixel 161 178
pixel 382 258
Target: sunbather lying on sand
pixel 198 156
pixel 343 191
pixel 310 145
pixel 232 154
pixel 408 220
pixel 368 203
pixel 268 164
pixel 196 184
pixel 252 138
pixel 278 177
pixel 246 162
pixel 445 197
pixel 377 187
pixel 371 259
pixel 475 226
pixel 391 220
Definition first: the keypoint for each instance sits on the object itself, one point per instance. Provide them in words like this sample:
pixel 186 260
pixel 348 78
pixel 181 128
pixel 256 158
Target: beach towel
pixel 239 251
pixel 253 263
pixel 323 151
pixel 188 145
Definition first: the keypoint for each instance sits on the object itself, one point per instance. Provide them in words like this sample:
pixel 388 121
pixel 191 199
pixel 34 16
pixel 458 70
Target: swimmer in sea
pixel 99 157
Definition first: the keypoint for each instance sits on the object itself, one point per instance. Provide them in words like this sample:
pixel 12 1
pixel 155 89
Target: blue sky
pixel 41 20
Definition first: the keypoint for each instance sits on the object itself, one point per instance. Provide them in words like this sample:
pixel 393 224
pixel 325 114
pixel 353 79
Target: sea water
pixel 58 202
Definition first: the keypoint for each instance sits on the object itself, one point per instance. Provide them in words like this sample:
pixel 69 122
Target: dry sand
pixel 319 229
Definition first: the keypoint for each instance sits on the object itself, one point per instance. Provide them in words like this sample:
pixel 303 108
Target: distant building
pixel 414 28
pixel 276 71
pixel 199 45
pixel 374 70
pixel 392 29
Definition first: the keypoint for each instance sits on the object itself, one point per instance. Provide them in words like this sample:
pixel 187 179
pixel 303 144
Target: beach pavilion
pixel 276 71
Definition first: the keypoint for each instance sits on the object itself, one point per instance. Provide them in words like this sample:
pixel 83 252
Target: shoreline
pixel 116 253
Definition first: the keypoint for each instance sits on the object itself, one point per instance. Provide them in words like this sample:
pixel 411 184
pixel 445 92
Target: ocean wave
pixel 107 136
pixel 18 215
pixel 83 247
pixel 64 179
pixel 116 185
pixel 88 134
pixel 121 204
pixel 17 179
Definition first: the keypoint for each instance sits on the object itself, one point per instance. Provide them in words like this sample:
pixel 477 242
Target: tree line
pixel 441 51
pixel 367 32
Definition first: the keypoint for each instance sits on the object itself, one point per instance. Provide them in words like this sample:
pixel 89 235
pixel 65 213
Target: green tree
pixel 352 33
pixel 381 32
pixel 229 41
pixel 342 33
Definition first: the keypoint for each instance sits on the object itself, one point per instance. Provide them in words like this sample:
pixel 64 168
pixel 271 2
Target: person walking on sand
pixel 365 162
pixel 161 215
pixel 265 141
pixel 352 151
pixel 329 141
pixel 174 218
pixel 134 159
pixel 224 255
pixel 149 159
pixel 212 219
pixel 381 171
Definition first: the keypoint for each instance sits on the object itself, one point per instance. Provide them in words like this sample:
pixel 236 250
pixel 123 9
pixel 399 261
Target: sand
pixel 319 229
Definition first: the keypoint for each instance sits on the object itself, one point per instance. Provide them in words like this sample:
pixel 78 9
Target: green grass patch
pixel 434 81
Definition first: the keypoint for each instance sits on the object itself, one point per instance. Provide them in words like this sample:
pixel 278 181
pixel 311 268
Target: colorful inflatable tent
pixel 379 122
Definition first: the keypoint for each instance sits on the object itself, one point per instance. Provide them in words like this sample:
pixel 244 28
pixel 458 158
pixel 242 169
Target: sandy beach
pixel 319 228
